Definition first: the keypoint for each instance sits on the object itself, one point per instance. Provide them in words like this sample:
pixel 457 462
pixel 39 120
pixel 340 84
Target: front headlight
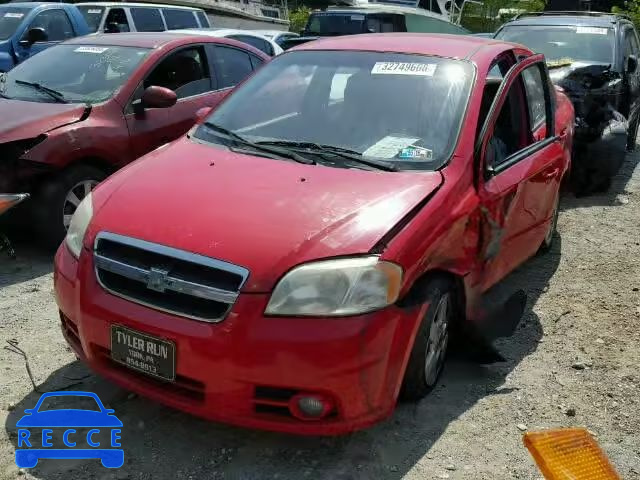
pixel 346 286
pixel 78 226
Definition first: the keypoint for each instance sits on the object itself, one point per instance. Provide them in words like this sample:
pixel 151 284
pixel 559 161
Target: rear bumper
pixel 245 369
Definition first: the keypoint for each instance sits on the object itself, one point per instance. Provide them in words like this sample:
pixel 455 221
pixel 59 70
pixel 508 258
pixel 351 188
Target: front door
pixel 521 166
pixel 57 27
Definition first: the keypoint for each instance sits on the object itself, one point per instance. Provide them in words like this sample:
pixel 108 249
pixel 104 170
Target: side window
pixel 255 61
pixel 116 21
pixel 259 43
pixel 510 130
pixel 495 77
pixel 177 19
pixel 185 72
pixel 231 65
pixel 535 96
pixel 374 25
pixel 204 20
pixel 147 19
pixel 55 23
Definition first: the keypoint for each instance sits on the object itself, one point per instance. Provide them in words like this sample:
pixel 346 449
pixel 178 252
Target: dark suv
pixel 594 58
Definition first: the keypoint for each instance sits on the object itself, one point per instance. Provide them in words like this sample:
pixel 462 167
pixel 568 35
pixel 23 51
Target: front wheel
pixel 432 341
pixel 59 198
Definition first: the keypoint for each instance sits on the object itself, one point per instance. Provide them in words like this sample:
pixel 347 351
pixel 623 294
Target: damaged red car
pixel 298 266
pixel 72 116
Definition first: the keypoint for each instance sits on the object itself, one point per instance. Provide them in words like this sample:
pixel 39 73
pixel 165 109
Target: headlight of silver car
pixel 78 226
pixel 345 286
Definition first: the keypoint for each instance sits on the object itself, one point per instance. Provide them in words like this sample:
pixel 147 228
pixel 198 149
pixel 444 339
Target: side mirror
pixel 632 64
pixel 34 35
pixel 155 97
pixel 111 27
pixel 202 113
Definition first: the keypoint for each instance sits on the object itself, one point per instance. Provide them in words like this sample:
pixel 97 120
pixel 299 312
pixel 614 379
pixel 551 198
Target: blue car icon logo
pixel 52 431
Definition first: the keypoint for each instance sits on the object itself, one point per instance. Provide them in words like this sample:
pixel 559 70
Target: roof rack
pixel 577 13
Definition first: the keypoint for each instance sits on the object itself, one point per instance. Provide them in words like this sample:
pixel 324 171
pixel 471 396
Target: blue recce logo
pixel 67 422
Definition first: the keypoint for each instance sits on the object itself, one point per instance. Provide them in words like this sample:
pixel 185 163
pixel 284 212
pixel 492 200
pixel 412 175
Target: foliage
pixel 632 8
pixel 486 17
pixel 298 18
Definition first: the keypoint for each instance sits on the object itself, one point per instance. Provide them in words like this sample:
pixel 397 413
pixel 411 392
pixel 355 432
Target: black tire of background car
pixel 414 385
pixel 547 243
pixel 49 201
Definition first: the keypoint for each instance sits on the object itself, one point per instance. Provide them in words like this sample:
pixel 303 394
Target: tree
pixel 298 19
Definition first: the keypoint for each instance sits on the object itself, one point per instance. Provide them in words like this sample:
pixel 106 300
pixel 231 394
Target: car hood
pixel 265 215
pixel 20 120
pixel 69 418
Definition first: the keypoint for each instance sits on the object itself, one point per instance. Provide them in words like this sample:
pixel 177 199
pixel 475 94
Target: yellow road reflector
pixel 569 454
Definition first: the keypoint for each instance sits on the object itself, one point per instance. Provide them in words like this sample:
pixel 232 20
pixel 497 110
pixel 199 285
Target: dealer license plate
pixel 142 352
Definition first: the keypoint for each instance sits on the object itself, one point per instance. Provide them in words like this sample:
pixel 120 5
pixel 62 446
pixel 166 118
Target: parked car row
pixel 294 253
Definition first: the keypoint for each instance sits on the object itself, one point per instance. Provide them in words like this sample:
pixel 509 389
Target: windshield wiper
pixel 56 95
pixel 259 147
pixel 344 153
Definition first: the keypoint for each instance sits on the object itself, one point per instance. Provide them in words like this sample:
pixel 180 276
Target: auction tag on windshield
pixel 94 11
pixel 388 147
pixel 91 49
pixel 592 30
pixel 404 68
pixel 13 15
pixel 414 153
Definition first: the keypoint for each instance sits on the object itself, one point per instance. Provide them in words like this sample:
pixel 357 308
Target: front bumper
pixel 243 370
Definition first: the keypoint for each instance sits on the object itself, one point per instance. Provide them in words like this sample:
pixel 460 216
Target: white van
pixel 119 17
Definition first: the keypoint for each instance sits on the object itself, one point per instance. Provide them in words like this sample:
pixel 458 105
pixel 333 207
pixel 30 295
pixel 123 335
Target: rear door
pixel 520 160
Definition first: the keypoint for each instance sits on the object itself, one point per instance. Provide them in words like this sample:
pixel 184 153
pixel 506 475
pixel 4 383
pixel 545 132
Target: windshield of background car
pixel 328 24
pixel 400 108
pixel 564 43
pixel 65 402
pixel 93 16
pixel 81 73
pixel 10 20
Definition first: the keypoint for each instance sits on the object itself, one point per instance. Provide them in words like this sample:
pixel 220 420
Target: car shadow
pixel 170 444
pixel 31 261
pixel 617 192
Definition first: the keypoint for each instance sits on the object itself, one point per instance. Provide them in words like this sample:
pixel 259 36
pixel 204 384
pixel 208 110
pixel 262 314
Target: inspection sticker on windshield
pixel 91 49
pixel 388 147
pixel 13 15
pixel 357 17
pixel 94 11
pixel 592 30
pixel 404 68
pixel 416 153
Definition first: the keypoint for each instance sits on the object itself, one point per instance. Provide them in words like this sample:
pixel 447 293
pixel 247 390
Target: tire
pixel 57 200
pixel 434 330
pixel 547 242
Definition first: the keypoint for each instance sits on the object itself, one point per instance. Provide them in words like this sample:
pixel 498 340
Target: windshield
pixel 93 16
pixel 335 24
pixel 564 43
pixel 81 73
pixel 10 20
pixel 403 109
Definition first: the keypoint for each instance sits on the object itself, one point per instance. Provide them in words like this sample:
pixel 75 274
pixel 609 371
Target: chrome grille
pixel 167 279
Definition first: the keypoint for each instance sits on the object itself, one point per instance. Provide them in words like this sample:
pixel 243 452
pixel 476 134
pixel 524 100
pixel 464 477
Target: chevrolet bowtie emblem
pixel 157 280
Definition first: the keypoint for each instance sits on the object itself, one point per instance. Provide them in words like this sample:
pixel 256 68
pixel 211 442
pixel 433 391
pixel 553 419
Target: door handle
pixel 552 174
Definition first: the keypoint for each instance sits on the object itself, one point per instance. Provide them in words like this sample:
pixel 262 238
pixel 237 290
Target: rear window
pixel 10 20
pixel 204 21
pixel 147 19
pixel 177 19
pixel 336 24
pixel 92 15
pixel 564 44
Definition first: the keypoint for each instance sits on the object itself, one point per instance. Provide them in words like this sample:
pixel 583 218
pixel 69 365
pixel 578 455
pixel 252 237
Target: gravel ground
pixel 573 362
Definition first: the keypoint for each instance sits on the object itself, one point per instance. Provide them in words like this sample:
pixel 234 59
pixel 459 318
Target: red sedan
pixel 79 111
pixel 298 265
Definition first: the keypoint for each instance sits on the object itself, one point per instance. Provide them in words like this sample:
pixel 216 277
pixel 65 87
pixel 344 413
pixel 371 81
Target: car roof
pixel 138 39
pixel 220 32
pixel 274 32
pixel 560 19
pixel 435 44
pixel 123 4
